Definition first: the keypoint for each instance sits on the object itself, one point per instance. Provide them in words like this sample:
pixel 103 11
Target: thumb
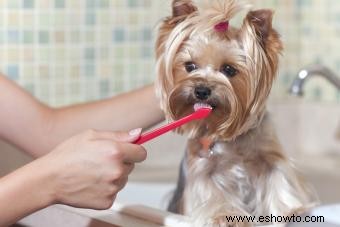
pixel 129 137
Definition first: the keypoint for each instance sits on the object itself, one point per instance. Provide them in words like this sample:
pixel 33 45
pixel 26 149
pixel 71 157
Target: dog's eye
pixel 190 66
pixel 228 70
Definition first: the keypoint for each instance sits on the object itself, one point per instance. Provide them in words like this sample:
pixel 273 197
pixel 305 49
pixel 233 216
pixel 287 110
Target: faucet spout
pixel 310 71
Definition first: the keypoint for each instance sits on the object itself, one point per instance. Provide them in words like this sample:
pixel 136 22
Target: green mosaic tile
pixel 74 88
pixel 28 37
pixel 89 36
pixel 59 4
pixel 14 4
pixel 132 3
pixel 119 52
pixel 28 4
pixel 118 35
pixel 104 53
pixel 44 54
pixel 74 36
pixel 133 69
pixel 59 19
pixel 74 4
pixel 104 88
pixel 103 3
pixel 146 34
pixel 118 69
pixel 90 4
pixel 90 19
pixel 60 73
pixel 133 35
pixel 89 53
pixel 133 51
pixel 103 19
pixel 118 85
pixel 44 20
pixel 44 37
pixel 60 54
pixel 147 52
pixel 90 70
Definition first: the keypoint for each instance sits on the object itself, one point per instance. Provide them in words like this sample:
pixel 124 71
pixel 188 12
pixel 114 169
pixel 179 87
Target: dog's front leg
pixel 211 196
pixel 282 192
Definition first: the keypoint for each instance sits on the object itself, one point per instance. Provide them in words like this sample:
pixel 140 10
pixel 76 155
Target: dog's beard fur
pixel 238 102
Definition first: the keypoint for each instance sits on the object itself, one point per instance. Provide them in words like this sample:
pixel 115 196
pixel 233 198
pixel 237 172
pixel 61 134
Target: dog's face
pixel 231 69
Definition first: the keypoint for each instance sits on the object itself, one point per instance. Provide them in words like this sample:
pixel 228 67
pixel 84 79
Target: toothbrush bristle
pixel 199 106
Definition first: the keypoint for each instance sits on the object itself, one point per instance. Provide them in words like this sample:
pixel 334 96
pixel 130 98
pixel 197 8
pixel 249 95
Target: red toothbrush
pixel 202 110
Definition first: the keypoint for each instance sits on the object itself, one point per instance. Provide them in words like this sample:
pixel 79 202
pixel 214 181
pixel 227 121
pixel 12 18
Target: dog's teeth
pixel 198 106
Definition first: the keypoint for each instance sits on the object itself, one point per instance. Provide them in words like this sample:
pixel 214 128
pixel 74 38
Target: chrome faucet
pixel 313 70
pixel 310 71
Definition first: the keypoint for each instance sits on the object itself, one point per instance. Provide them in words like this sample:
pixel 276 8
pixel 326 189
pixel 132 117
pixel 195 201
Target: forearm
pixel 139 108
pixel 36 128
pixel 23 192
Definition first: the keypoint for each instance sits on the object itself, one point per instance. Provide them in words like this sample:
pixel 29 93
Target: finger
pixel 119 170
pixel 128 167
pixel 120 136
pixel 133 153
pixel 121 182
pixel 119 151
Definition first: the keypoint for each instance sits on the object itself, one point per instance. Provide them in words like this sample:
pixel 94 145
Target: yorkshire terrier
pixel 234 164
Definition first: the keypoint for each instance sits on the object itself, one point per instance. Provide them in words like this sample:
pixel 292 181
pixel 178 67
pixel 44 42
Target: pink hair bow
pixel 222 26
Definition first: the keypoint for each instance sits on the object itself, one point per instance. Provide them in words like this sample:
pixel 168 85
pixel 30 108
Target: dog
pixel 234 164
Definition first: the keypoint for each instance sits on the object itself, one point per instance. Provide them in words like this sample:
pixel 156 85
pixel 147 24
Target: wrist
pixel 44 181
pixel 27 190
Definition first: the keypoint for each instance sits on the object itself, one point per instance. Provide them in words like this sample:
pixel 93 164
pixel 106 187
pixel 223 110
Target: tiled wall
pixel 67 51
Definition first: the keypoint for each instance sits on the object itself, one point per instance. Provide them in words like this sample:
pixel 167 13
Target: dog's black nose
pixel 202 92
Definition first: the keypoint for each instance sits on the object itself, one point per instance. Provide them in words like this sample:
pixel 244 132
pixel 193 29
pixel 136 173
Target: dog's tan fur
pixel 248 173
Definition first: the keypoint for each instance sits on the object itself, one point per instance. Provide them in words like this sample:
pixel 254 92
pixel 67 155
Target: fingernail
pixel 135 132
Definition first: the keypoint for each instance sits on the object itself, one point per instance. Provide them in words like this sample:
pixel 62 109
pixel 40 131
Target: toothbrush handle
pixel 160 131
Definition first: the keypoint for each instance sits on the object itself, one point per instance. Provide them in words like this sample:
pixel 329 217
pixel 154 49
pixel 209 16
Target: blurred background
pixel 71 51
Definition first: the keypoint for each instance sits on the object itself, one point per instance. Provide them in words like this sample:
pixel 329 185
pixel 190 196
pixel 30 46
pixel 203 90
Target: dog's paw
pixel 301 210
pixel 227 221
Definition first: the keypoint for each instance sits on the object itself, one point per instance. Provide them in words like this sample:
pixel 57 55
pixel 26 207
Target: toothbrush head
pixel 202 110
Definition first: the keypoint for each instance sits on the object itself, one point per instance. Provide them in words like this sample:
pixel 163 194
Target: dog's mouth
pixel 200 105
pixel 205 104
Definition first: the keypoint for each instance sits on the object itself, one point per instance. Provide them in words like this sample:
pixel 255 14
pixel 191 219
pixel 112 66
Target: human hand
pixel 89 169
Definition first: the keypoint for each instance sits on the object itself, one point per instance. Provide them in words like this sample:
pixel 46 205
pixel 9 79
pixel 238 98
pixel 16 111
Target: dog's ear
pixel 182 8
pixel 261 23
pixel 261 20
pixel 263 46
